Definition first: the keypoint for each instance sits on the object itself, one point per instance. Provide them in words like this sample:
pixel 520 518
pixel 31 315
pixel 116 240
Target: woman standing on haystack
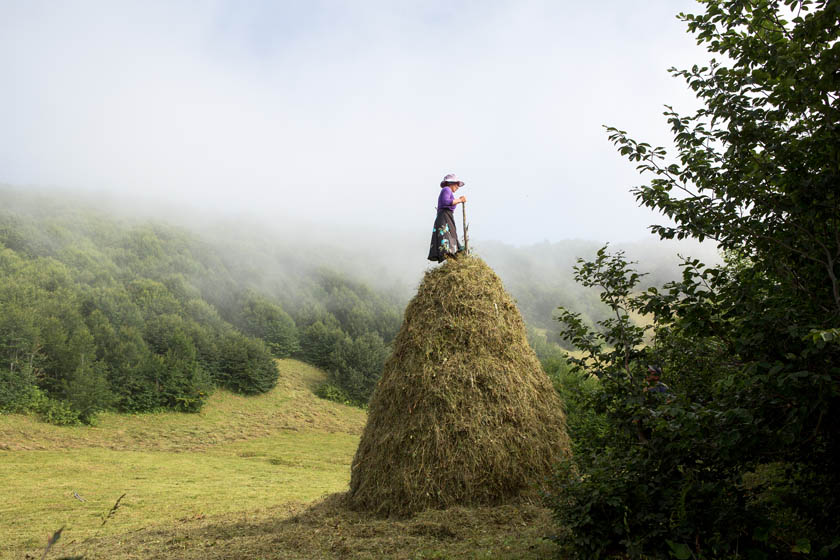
pixel 444 237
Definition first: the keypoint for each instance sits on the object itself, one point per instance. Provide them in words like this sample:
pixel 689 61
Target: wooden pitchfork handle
pixel 466 227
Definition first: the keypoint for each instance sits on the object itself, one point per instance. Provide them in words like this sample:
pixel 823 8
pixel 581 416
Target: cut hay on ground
pixel 463 414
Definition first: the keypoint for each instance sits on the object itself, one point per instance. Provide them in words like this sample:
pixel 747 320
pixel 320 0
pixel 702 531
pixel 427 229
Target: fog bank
pixel 345 113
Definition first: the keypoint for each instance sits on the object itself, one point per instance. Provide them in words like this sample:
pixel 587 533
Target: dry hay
pixel 463 414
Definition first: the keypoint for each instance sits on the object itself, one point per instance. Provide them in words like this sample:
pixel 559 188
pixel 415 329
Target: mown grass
pixel 328 530
pixel 164 485
pixel 237 480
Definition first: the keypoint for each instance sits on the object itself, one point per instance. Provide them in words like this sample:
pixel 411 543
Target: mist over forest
pixel 277 256
pixel 109 304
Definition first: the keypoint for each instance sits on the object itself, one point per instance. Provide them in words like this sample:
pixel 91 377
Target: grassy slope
pixel 233 481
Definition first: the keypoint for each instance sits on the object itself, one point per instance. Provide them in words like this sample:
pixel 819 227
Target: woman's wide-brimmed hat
pixel 451 178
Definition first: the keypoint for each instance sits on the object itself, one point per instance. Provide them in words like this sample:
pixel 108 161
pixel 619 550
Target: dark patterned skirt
pixel 444 237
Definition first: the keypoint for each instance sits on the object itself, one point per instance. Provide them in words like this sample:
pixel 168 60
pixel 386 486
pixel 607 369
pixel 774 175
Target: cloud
pixel 345 112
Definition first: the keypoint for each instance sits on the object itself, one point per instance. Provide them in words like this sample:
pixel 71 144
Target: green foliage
pixel 317 342
pixel 246 365
pixel 550 354
pixel 584 422
pixel 57 412
pixel 18 390
pixel 261 318
pixel 736 457
pixel 576 388
pixel 333 393
pixel 181 382
pixel 356 365
pixel 86 390
pixel 353 365
pixel 19 393
pixel 356 307
pixel 97 315
pixel 139 317
pixel 661 465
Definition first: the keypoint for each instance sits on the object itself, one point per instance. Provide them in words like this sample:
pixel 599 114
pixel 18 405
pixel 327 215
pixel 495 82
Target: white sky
pixel 347 112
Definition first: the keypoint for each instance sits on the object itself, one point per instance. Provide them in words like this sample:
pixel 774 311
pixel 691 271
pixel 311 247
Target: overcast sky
pixel 347 112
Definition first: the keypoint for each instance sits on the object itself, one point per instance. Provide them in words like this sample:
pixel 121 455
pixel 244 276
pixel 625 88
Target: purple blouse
pixel 446 199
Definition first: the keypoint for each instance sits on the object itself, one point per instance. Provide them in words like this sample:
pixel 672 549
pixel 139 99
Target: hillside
pixel 101 311
pixel 238 453
pixel 227 418
pixel 234 480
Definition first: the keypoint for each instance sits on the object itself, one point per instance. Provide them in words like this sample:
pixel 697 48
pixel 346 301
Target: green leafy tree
pixel 180 381
pixel 133 374
pixel 86 390
pixel 246 365
pixel 737 457
pixel 19 388
pixel 266 320
pixel 184 384
pixel 317 343
pixel 356 365
pixel 356 307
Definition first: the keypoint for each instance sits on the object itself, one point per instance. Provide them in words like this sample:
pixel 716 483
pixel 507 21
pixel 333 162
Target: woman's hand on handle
pixel 462 199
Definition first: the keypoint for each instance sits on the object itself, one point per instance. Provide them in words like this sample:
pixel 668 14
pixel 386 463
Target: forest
pixel 98 313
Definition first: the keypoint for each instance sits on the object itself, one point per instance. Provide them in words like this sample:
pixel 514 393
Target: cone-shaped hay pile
pixel 463 414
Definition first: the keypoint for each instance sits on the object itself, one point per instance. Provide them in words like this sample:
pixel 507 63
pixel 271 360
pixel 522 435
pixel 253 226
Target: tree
pixel 318 341
pixel 246 365
pixel 185 385
pixel 356 365
pixel 86 389
pixel 133 373
pixel 264 319
pixel 740 457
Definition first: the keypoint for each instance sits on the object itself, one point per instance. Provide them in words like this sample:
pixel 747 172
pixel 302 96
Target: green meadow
pixel 249 477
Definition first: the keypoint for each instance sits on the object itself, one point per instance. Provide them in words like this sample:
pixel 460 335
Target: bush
pixel 578 391
pixel 682 468
pixel 57 412
pixel 18 391
pixel 332 393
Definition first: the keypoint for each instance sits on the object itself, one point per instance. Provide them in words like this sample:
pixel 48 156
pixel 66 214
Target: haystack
pixel 463 414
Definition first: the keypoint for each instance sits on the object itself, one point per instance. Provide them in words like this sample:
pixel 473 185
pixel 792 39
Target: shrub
pixel 18 391
pixel 333 393
pixel 57 412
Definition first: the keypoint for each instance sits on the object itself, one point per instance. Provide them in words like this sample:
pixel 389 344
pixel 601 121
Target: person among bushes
pixel 444 235
pixel 654 385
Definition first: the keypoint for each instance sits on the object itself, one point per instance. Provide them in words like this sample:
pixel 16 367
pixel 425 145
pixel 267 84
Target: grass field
pixel 248 477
